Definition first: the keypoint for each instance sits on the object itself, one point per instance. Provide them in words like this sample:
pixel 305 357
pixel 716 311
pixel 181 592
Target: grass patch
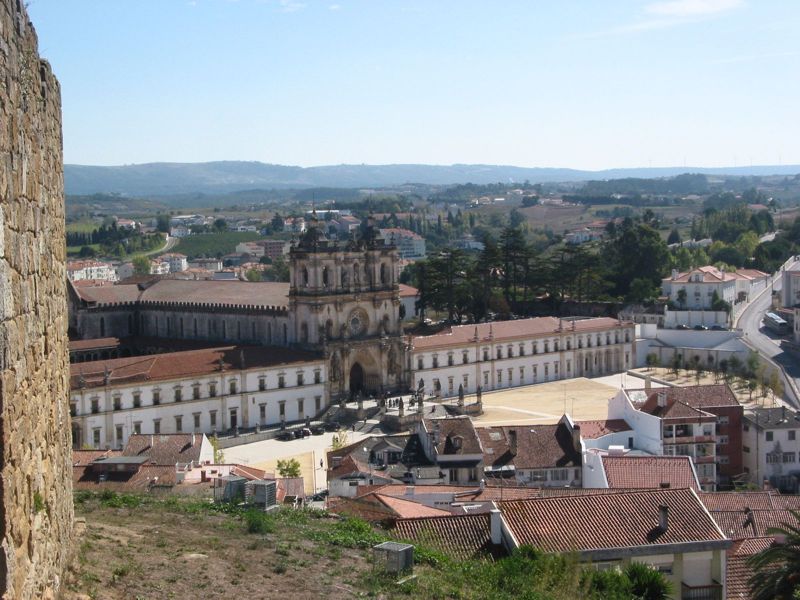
pixel 214 244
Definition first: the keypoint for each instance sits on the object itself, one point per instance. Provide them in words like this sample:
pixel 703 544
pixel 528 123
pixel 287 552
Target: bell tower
pixel 344 300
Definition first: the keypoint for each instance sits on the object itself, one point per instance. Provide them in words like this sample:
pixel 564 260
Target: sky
pixel 583 84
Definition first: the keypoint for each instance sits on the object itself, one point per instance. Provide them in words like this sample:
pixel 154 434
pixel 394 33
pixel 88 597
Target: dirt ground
pixel 582 398
pixel 158 552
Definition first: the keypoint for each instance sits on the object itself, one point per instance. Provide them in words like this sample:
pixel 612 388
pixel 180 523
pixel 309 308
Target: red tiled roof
pixel 710 275
pixel 290 486
pixel 650 472
pixel 737 571
pixel 605 521
pixel 166 449
pixel 408 509
pixel 730 501
pixel 177 365
pixel 108 342
pixel 740 524
pixel 83 458
pixel 406 291
pixel 539 447
pixel 697 396
pixel 461 536
pixel 591 430
pixel 499 331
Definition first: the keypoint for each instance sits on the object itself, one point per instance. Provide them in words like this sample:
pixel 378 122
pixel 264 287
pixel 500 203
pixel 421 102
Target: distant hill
pixel 164 179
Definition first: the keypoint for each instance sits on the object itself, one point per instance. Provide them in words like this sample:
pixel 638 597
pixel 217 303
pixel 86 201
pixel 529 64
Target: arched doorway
pixel 356 379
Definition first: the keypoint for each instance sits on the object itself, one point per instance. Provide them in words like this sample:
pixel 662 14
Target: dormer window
pixel 457 442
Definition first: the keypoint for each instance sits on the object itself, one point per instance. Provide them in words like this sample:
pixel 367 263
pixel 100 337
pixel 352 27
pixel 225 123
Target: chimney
pixel 409 490
pixel 663 517
pixel 512 441
pixel 648 384
pixel 496 526
pixel 483 484
pixel 576 437
pixel 662 398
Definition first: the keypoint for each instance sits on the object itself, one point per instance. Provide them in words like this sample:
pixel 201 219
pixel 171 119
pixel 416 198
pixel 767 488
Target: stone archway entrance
pixel 356 379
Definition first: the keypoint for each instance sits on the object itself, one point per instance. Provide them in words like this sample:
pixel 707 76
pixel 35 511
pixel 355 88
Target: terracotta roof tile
pixel 737 571
pixel 166 449
pixel 740 524
pixel 539 447
pixel 498 331
pixel 145 478
pixel 731 501
pixel 650 472
pixel 697 396
pixel 461 536
pixel 178 365
pixel 605 521
pixel 591 430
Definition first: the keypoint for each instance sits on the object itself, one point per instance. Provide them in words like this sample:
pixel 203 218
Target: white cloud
pixel 335 7
pixel 288 6
pixel 683 9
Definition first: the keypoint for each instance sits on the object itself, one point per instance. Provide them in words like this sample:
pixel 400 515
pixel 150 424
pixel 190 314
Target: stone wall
pixel 35 464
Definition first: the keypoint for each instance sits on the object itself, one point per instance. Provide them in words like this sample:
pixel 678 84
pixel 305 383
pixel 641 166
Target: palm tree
pixel 777 569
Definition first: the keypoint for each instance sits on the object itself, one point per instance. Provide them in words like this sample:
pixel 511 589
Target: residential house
pixel 695 289
pixel 669 529
pixel 409 244
pixel 83 270
pixel 453 445
pixel 540 455
pixel 177 262
pixel 771 442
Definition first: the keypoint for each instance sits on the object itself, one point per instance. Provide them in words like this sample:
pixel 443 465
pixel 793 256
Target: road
pixel 765 342
pixel 171 241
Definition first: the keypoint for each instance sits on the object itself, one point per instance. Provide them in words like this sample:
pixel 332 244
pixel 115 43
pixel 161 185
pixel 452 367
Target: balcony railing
pixel 701 592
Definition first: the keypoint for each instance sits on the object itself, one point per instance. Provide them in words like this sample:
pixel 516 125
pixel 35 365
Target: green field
pixel 82 226
pixel 214 244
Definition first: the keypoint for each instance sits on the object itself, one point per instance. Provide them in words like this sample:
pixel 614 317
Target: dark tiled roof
pixel 500 331
pixel 606 521
pixel 591 430
pixel 166 449
pixel 650 472
pixel 538 447
pixel 143 479
pixel 354 457
pixel 83 458
pixel 226 293
pixel 461 536
pixel 451 428
pixel 177 365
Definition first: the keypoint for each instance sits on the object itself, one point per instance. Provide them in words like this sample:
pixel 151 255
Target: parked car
pixel 331 426
pixel 317 430
pixel 717 327
pixel 298 433
pixel 284 436
pixel 305 432
pixel 682 326
pixel 700 328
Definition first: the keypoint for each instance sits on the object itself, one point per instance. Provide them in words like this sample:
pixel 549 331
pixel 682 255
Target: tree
pixel 162 223
pixel 777 568
pixel 220 224
pixel 219 455
pixel 652 360
pixel 253 275
pixel 674 237
pixel 339 440
pixel 775 385
pixel 682 298
pixel 141 265
pixel 289 467
pixel 752 384
pixel 647 583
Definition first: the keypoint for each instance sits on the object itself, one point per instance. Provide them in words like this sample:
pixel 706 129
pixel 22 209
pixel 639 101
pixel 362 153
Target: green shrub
pixel 259 522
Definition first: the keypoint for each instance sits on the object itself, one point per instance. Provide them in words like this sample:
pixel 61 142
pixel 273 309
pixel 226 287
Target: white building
pixel 159 267
pixel 408 300
pixel 771 447
pixel 507 354
pixel 177 262
pixel 209 264
pixel 179 231
pixel 790 292
pixel 79 270
pixel 695 289
pixel 409 244
pixel 200 391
